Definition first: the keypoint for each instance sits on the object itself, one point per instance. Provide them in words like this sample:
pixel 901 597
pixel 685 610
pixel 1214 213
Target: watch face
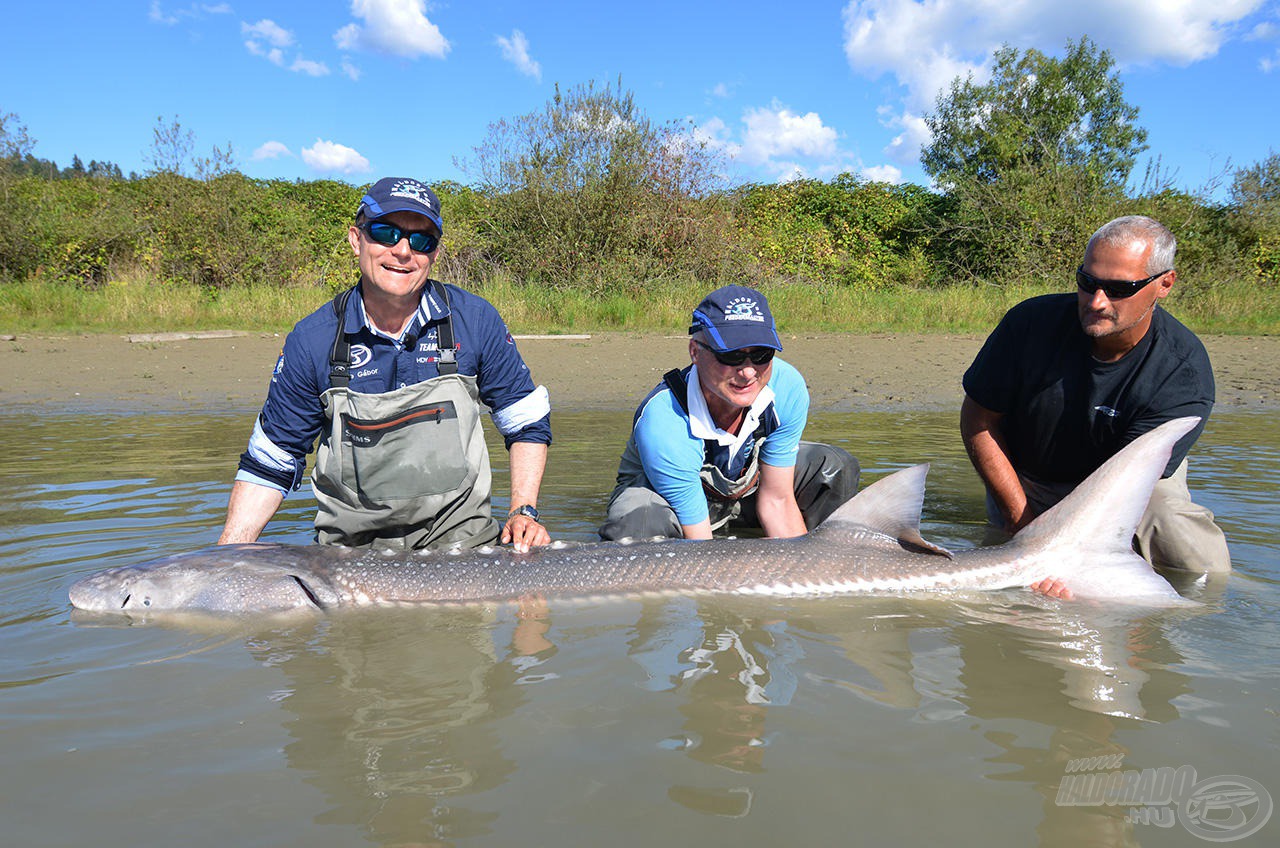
pixel 525 510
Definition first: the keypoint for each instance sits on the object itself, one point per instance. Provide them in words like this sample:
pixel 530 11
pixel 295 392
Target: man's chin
pixel 1096 328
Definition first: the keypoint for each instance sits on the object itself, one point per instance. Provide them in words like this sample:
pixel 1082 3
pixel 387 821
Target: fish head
pixel 215 580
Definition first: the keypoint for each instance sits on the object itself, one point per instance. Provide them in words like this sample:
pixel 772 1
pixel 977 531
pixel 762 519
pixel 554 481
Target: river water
pixel 879 721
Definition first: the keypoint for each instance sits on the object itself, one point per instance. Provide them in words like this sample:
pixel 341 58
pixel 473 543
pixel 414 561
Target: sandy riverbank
pixel 110 373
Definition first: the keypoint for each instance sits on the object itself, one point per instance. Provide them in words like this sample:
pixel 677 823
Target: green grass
pixel 140 305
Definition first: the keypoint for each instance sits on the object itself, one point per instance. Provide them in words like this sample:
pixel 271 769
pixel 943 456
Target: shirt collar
pixel 703 427
pixel 431 308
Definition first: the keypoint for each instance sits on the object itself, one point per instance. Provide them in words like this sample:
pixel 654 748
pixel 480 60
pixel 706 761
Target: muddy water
pixel 814 722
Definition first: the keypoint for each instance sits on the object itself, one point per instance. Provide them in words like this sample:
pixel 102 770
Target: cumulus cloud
pixel 350 70
pixel 777 131
pixel 516 51
pixel 270 150
pixel 398 27
pixel 331 157
pixel 925 44
pixel 883 174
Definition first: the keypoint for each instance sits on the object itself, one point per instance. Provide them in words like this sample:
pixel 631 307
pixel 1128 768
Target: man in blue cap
pixel 717 444
pixel 389 377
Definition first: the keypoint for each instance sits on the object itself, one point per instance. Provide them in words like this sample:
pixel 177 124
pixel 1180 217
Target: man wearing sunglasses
pixel 717 443
pixel 1065 381
pixel 390 378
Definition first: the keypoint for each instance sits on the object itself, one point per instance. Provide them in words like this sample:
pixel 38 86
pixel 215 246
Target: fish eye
pixel 146 602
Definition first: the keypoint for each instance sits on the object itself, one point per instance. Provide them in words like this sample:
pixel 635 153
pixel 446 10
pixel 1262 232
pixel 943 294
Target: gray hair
pixel 1139 229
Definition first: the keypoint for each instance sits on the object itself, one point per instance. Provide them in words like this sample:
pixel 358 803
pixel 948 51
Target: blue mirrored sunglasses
pixel 423 241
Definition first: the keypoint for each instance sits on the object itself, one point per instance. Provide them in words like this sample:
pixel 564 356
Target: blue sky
pixel 357 89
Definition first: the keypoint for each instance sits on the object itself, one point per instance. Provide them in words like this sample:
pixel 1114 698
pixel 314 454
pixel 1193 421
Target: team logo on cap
pixel 743 309
pixel 413 190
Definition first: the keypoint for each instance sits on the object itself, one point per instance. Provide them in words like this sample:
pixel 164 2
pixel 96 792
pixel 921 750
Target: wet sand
pixel 111 373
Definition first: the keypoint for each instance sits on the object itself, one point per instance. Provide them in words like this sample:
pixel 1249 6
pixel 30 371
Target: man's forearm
pixel 528 462
pixel 979 428
pixel 776 506
pixel 248 511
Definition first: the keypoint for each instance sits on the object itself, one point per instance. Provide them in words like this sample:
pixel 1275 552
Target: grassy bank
pixel 139 305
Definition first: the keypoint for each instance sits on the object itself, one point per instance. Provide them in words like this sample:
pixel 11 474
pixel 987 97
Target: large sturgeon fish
pixel 871 544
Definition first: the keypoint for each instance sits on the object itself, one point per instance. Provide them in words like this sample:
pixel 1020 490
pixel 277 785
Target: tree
pixel 171 147
pixel 14 141
pixel 1036 111
pixel 1255 201
pixel 589 190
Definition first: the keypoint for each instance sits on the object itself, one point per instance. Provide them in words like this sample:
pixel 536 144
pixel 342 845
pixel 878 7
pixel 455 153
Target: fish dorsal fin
pixel 1111 501
pixel 890 506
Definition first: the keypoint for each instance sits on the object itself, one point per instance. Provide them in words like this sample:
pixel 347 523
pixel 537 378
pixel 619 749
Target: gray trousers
pixel 1173 533
pixel 825 478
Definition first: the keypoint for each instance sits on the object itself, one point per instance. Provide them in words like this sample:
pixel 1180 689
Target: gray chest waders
pixel 723 492
pixel 407 468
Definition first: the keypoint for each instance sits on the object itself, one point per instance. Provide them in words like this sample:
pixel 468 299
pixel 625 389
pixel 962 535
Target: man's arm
pixel 248 511
pixel 528 461
pixel 776 505
pixel 979 428
pixel 990 457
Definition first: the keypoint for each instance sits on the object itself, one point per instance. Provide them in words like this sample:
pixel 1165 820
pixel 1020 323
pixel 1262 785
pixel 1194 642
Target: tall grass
pixel 136 304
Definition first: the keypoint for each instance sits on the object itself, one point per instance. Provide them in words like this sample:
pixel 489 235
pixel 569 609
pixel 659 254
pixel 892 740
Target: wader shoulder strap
pixel 679 387
pixel 340 353
pixel 448 363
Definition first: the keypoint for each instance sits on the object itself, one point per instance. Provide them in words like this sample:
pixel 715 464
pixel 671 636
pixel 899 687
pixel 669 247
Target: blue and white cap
pixel 734 317
pixel 401 194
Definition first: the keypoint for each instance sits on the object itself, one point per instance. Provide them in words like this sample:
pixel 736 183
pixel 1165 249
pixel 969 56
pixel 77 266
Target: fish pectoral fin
pixel 912 540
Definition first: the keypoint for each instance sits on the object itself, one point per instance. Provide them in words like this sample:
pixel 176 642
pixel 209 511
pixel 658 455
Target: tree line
pixel 590 194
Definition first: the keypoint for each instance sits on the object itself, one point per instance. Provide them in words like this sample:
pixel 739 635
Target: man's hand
pixel 523 533
pixel 1054 587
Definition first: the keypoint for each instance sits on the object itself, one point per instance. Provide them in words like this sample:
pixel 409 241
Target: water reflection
pixel 396 721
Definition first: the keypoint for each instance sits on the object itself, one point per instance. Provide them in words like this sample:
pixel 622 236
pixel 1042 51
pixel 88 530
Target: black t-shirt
pixel 1065 413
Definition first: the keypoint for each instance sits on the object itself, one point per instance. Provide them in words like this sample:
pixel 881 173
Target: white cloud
pixel 310 68
pixel 398 27
pixel 883 174
pixel 219 9
pixel 266 38
pixel 329 157
pixel 270 150
pixel 267 31
pixel 925 44
pixel 777 131
pixel 350 70
pixel 516 51
pixel 906 145
pixel 720 90
pixel 157 15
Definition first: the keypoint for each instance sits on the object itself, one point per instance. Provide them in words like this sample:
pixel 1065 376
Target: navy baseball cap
pixel 734 317
pixel 401 194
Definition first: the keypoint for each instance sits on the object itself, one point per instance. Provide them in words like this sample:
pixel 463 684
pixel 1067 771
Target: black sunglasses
pixel 423 241
pixel 1115 289
pixel 735 358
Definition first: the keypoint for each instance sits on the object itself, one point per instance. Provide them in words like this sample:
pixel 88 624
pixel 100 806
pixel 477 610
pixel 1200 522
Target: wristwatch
pixel 524 509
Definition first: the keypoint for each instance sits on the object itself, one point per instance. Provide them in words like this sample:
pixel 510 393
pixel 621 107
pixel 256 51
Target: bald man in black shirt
pixel 1067 380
